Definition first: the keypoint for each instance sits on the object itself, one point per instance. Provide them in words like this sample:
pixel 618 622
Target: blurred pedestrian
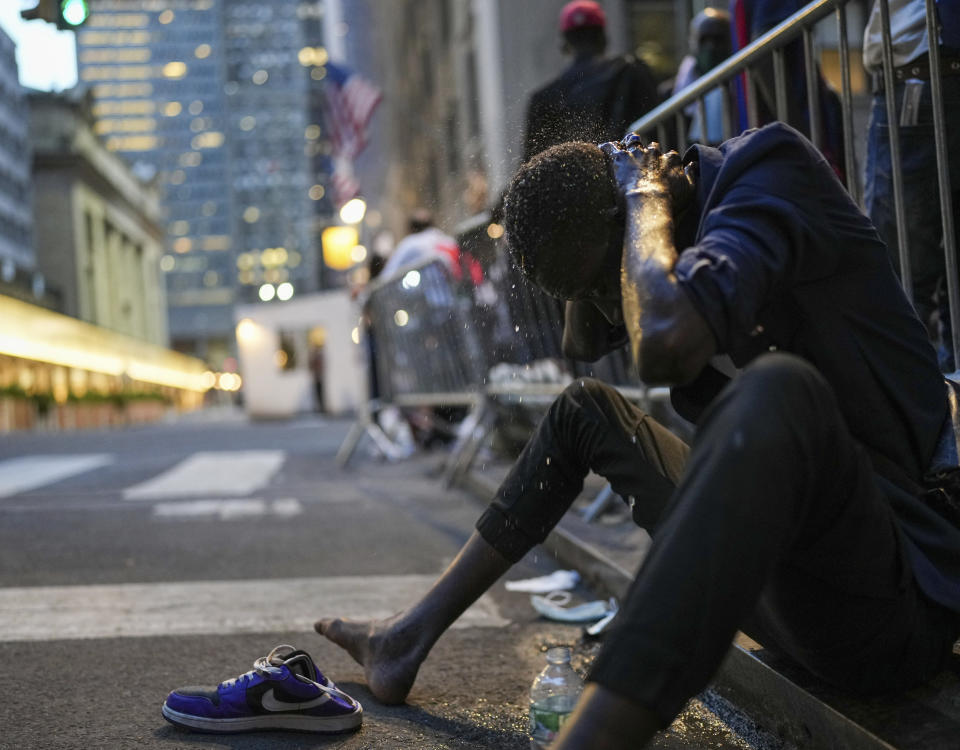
pixel 596 97
pixel 918 159
pixel 709 46
pixel 425 242
pixel 752 19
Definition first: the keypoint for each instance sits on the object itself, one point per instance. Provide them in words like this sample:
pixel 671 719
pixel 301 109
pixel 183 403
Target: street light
pixel 353 211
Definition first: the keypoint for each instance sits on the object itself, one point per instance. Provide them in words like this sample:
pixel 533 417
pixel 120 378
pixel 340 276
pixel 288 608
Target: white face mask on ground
pixel 552 607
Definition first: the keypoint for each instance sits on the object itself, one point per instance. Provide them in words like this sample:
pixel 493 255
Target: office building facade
pixel 16 216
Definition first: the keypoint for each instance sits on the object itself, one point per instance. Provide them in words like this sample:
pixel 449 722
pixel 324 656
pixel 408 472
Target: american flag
pixel 349 101
pixel 345 184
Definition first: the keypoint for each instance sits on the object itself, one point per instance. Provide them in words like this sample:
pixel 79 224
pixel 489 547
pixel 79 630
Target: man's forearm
pixel 650 293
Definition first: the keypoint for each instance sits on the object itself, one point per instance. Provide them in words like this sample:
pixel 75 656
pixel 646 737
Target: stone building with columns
pixel 98 233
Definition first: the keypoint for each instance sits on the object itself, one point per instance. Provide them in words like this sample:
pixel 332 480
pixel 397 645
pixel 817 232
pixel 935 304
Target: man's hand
pixel 645 171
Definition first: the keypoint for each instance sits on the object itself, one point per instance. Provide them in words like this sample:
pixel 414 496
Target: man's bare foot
pixel 390 658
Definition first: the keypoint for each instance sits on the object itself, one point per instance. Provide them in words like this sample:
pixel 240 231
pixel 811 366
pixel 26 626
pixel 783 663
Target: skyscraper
pixel 16 212
pixel 275 140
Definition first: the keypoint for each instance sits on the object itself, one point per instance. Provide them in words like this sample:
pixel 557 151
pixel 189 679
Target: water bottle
pixel 552 697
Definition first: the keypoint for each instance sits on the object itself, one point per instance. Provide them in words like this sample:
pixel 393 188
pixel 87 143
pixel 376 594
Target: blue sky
pixel 46 58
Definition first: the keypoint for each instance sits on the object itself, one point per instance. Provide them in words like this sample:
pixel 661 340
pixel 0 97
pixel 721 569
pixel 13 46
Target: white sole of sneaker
pixel 264 722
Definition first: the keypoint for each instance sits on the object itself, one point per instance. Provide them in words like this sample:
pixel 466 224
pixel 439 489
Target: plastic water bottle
pixel 553 695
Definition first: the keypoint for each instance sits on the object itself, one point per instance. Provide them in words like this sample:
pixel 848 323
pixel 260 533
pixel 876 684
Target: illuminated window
pixel 116 73
pixel 132 143
pixel 123 55
pixel 105 90
pixel 126 125
pixel 213 139
pixel 202 52
pixel 216 242
pixel 168 263
pixel 172 109
pixel 260 77
pixel 183 245
pixel 132 107
pixel 175 70
pixel 165 17
pixel 251 214
pixel 114 38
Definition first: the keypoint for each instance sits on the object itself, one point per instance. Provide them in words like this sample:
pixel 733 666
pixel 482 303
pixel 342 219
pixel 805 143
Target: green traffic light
pixel 74 12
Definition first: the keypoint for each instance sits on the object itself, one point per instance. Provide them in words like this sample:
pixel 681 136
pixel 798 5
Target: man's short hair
pixel 557 214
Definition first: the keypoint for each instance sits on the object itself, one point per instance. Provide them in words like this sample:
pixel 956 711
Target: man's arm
pixel 670 340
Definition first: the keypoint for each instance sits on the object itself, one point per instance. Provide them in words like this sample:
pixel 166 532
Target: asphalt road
pixel 137 560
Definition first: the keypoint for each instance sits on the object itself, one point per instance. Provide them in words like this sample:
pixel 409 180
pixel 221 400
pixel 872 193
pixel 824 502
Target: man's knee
pixel 779 386
pixel 594 400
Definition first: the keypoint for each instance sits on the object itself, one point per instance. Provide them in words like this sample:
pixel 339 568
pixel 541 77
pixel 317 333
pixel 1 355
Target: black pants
pixel 775 524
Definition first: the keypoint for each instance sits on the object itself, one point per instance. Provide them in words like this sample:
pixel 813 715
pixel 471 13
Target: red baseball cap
pixel 581 13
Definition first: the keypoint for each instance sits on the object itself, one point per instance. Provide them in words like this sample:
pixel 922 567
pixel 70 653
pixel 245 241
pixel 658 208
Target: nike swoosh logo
pixel 270 703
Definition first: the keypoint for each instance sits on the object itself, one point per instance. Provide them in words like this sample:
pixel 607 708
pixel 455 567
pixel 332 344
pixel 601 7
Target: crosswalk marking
pixel 46 613
pixel 29 472
pixel 227 510
pixel 217 474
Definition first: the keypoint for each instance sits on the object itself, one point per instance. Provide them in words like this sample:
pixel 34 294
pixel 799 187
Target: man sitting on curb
pixel 813 508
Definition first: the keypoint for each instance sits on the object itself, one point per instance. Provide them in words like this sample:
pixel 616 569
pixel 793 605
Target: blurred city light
pixel 411 280
pixel 338 244
pixel 353 211
pixel 401 318
pixel 267 292
pixel 247 331
pixel 358 254
pixel 285 291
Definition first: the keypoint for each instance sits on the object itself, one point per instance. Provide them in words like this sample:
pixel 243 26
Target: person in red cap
pixel 597 97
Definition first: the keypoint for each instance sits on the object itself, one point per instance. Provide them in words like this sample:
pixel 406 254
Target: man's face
pixel 595 278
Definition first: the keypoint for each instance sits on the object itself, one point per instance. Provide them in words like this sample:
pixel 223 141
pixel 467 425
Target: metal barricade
pixel 767 53
pixel 427 351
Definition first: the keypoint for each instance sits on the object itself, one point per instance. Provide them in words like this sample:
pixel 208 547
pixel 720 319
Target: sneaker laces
pixel 271 664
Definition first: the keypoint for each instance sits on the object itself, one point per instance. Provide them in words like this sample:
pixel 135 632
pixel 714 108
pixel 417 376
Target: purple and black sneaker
pixel 284 690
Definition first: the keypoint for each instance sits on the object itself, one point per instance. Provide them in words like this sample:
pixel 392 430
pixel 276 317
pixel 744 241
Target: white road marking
pixel 48 613
pixel 227 510
pixel 28 472
pixel 220 474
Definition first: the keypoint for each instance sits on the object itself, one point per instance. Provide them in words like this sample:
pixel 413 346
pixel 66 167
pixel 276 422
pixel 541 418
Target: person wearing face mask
pixel 709 46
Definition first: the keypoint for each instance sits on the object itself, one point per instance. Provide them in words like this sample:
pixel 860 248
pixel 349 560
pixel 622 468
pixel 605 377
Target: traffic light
pixel 65 14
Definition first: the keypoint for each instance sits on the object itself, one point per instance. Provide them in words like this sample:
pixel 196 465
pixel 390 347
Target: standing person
pixel 425 242
pixel 752 19
pixel 709 46
pixel 813 507
pixel 596 97
pixel 918 158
